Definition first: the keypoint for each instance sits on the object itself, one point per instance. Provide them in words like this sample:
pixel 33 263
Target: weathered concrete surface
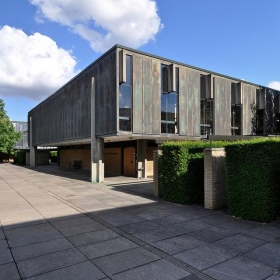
pixel 56 226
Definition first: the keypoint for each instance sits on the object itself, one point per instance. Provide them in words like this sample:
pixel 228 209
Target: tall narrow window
pixel 206 106
pixel 236 109
pixel 169 102
pixel 260 111
pixel 125 99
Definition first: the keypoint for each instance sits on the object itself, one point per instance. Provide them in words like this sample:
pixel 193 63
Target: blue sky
pixel 46 42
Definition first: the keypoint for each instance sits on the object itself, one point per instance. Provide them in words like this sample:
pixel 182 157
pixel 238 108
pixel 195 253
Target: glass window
pixel 236 119
pixel 260 121
pixel 169 103
pixel 125 99
pixel 206 117
pixel 236 109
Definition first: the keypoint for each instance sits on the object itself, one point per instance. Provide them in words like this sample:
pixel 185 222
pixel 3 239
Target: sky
pixel 44 43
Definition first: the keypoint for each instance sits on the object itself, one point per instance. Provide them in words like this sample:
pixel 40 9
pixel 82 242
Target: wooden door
pixel 129 162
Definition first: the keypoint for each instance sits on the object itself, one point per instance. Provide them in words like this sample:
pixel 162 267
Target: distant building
pixel 112 114
pixel 23 127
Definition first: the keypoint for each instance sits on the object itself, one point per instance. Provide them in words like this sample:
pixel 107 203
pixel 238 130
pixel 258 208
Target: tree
pixel 8 134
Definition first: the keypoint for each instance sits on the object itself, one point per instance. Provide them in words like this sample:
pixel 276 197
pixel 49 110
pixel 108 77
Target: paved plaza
pixel 56 225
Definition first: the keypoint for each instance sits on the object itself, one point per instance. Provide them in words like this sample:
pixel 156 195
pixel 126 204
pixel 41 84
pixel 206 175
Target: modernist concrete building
pixel 113 114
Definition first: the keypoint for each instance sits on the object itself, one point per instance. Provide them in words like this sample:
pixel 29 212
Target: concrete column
pixel 156 155
pixel 214 178
pixel 33 149
pixel 142 158
pixel 58 156
pixel 97 145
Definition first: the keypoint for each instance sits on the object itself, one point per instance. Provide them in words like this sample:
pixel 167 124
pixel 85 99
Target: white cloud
pixel 32 66
pixel 104 23
pixel 274 85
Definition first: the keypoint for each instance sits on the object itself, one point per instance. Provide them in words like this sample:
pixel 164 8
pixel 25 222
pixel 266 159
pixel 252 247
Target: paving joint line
pixel 136 240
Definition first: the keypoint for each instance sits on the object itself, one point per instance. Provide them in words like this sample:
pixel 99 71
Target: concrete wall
pixel 66 115
pixel 67 156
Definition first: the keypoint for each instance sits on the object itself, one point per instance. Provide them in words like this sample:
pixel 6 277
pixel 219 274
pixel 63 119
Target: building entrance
pixel 129 167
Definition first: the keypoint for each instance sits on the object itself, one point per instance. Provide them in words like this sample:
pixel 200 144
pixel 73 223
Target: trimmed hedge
pixel 252 179
pixel 181 171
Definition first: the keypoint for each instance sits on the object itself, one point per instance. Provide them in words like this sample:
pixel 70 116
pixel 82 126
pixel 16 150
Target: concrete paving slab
pixel 240 268
pixel 92 237
pixel 120 217
pixel 31 234
pixel 173 219
pixel 204 256
pixel 239 243
pixel 48 193
pixel 275 276
pixel 268 254
pixel 82 271
pixel 190 226
pixel 24 223
pixel 162 232
pixel 178 244
pixel 9 272
pixel 116 245
pixel 139 227
pixel 264 232
pixel 77 225
pixel 123 261
pixel 161 270
pixel 211 234
pixel 50 262
pixel 5 253
pixel 42 248
pixel 2 236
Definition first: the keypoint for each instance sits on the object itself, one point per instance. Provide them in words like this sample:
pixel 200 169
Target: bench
pixel 77 164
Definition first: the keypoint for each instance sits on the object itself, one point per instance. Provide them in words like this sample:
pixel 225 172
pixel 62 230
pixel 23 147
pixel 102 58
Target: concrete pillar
pixel 97 145
pixel 58 156
pixel 214 178
pixel 142 158
pixel 33 149
pixel 156 156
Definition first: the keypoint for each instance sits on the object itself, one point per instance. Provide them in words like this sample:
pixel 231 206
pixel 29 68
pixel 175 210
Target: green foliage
pixel 8 135
pixel 53 156
pixel 181 171
pixel 53 153
pixel 20 157
pixel 252 179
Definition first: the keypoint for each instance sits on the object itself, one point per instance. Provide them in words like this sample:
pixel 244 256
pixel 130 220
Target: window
pixel 260 121
pixel 169 101
pixel 206 116
pixel 236 109
pixel 125 99
pixel 206 106
pixel 260 111
pixel 236 119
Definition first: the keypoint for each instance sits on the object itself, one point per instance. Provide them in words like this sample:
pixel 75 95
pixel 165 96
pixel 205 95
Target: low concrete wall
pixel 214 178
pixel 84 155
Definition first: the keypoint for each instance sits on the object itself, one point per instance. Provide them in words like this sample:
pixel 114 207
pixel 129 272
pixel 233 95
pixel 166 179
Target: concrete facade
pixel 165 100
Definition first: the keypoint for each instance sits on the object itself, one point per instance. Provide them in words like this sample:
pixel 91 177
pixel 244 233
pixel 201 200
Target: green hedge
pixel 252 179
pixel 181 171
pixel 20 157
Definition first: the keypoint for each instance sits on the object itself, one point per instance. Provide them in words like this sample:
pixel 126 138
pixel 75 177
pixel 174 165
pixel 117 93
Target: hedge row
pixel 181 171
pixel 252 179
